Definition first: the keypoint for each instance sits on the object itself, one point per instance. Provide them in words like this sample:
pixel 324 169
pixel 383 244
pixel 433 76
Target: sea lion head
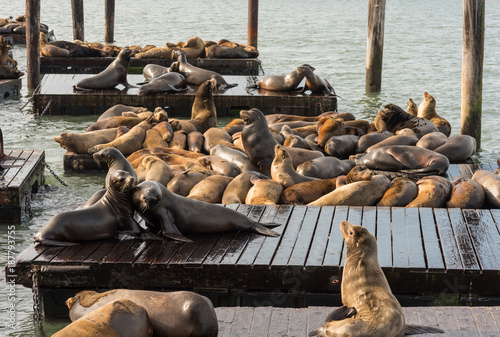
pixel 252 116
pixel 125 53
pixel 207 87
pixel 411 107
pixel 122 181
pixel 358 240
pixel 280 155
pixel 181 56
pixel 174 67
pixel 146 196
pixel 43 38
pixel 307 66
pixel 429 98
pixel 359 173
pixel 106 155
pixel 159 115
pixel 392 115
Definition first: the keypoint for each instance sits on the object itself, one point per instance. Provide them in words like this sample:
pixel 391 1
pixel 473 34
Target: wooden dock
pixel 422 251
pixel 94 65
pixel 10 88
pixel 55 96
pixel 17 183
pixel 288 322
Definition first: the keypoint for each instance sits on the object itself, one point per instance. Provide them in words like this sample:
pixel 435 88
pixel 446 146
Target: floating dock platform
pixel 94 65
pixel 55 96
pixel 18 181
pixel 9 88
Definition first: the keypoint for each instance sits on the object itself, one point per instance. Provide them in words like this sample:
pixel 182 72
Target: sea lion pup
pixel 114 74
pixel 491 185
pixel 237 190
pixel 282 170
pixel 210 189
pixel 369 307
pixel 411 107
pixel 433 191
pixel 405 158
pixel 263 192
pixel 427 110
pixel 118 109
pixel 432 140
pixel 325 167
pixel 392 118
pixel 176 313
pixel 9 73
pixel 466 193
pixel 165 83
pixel 316 84
pixel 203 112
pixel 108 321
pixel 400 193
pixel 286 82
pixel 197 76
pixel 112 213
pixel 458 148
pixel 398 139
pixel 176 215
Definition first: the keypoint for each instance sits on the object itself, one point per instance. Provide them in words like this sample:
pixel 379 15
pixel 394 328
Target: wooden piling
pixel 33 43
pixel 109 16
pixel 253 20
pixel 77 11
pixel 375 45
pixel 472 68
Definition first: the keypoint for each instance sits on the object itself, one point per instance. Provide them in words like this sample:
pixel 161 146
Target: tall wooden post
pixel 253 21
pixel 77 10
pixel 375 45
pixel 472 68
pixel 33 43
pixel 109 17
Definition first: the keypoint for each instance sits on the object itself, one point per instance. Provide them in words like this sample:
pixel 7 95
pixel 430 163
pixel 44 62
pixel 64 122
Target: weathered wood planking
pixel 10 88
pixel 442 250
pixel 19 179
pixel 58 90
pixel 94 65
pixel 269 321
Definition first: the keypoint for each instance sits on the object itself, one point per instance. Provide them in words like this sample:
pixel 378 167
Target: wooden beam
pixel 78 27
pixel 375 45
pixel 109 16
pixel 33 43
pixel 472 68
pixel 253 22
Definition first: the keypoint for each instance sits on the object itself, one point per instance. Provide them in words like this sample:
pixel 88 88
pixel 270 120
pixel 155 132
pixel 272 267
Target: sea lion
pixel 458 148
pixel 325 167
pixel 393 118
pixel 427 110
pixel 291 139
pixel 176 313
pixel 433 191
pixel 411 108
pixel 282 170
pixel 197 76
pixel 153 139
pixel 341 146
pixel 179 140
pixel 370 139
pixel 81 142
pixel 182 184
pixel 214 136
pixel 176 215
pixel 203 112
pixel 214 50
pixel 114 74
pixel 369 307
pixel 400 193
pixel 360 193
pixel 165 129
pixel 395 140
pixel 257 139
pixel 49 50
pixel 314 83
pixel 466 193
pixel 491 185
pixel 108 321
pixel 7 73
pixel 165 83
pixel 358 173
pixel 114 122
pixel 405 158
pixel 195 141
pixel 286 82
pixel 156 52
pixel 151 71
pixel 182 124
pixel 235 125
pixel 112 213
pixel 300 156
pixel 193 48
pixel 118 109
pixel 129 142
pixel 306 192
pixel 326 128
pixel 234 156
pixel 263 192
pixel 237 190
pixel 219 165
pixel 210 189
pixel 170 156
pixel 432 140
pixel 157 170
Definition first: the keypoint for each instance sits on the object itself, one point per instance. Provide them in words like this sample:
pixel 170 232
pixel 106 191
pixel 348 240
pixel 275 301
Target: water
pixel 422 52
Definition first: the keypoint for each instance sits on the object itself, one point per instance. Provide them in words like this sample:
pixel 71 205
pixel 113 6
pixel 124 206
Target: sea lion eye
pixel 351 233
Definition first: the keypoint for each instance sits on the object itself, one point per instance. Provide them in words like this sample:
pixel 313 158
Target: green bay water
pixel 422 52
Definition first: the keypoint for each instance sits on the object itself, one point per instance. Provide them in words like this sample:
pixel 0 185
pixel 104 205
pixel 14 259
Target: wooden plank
pixel 355 215
pixel 147 256
pixel 315 317
pixel 225 317
pixel 304 239
pixel 492 233
pixel 280 319
pixel 463 239
pixel 399 239
pixel 451 253
pixel 31 253
pixel 414 237
pixel 101 252
pixel 261 321
pixel 336 241
pixel 447 320
pixel 370 219
pixel 85 251
pixel 9 177
pixel 453 172
pixel 133 252
pixel 433 253
pixel 485 321
pixel 384 237
pixel 320 239
pixel 184 252
pixel 297 326
pixel 289 237
pixel 118 251
pixel 48 255
pixel 242 322
pixel 427 316
pixel 411 315
pixel 466 321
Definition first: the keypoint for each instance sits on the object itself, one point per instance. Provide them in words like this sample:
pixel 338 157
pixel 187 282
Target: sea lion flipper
pixel 50 242
pixel 402 156
pixel 169 229
pixel 177 237
pixel 265 231
pixel 420 329
pixel 271 224
pixel 340 313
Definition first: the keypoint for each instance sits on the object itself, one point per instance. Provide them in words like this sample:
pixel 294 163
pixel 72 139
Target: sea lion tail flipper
pixel 50 242
pixel 142 83
pixel 270 224
pixel 420 329
pixel 340 313
pixel 177 237
pixel 252 86
pixel 265 231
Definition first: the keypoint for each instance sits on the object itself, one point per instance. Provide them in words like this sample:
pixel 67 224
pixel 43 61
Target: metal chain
pixel 27 204
pixel 55 175
pixel 37 312
pixel 262 69
pixel 46 108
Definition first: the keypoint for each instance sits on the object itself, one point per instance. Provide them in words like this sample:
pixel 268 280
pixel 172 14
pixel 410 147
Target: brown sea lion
pixel 81 142
pixel 234 156
pixel 157 170
pixel 182 184
pixel 237 190
pixel 176 215
pixel 165 129
pixel 432 140
pixel 395 140
pixel 286 82
pixel 235 125
pixel 129 142
pixel 193 48
pixel 400 193
pixel 458 148
pixel 214 50
pixel 179 140
pixel 300 156
pixel 306 192
pixel 393 118
pixel 169 82
pixel 7 73
pixel 369 307
pixel 219 165
pixel 157 53
pixel 108 321
pixel 325 167
pixel 328 127
pixel 176 313
pixel 282 170
pixel 433 191
pixel 170 156
pixel 153 139
pixel 49 50
pixel 341 146
pixel 203 112
pixel 151 71
pixel 182 124
pixel 114 74
pixel 427 110
pixel 491 185
pixel 466 193
pixel 314 83
pixel 118 109
pixel 114 122
pixel 214 136
pixel 291 139
pixel 210 189
pixel 263 192
pixel 370 139
pixel 195 141
pixel 411 107
pixel 358 173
